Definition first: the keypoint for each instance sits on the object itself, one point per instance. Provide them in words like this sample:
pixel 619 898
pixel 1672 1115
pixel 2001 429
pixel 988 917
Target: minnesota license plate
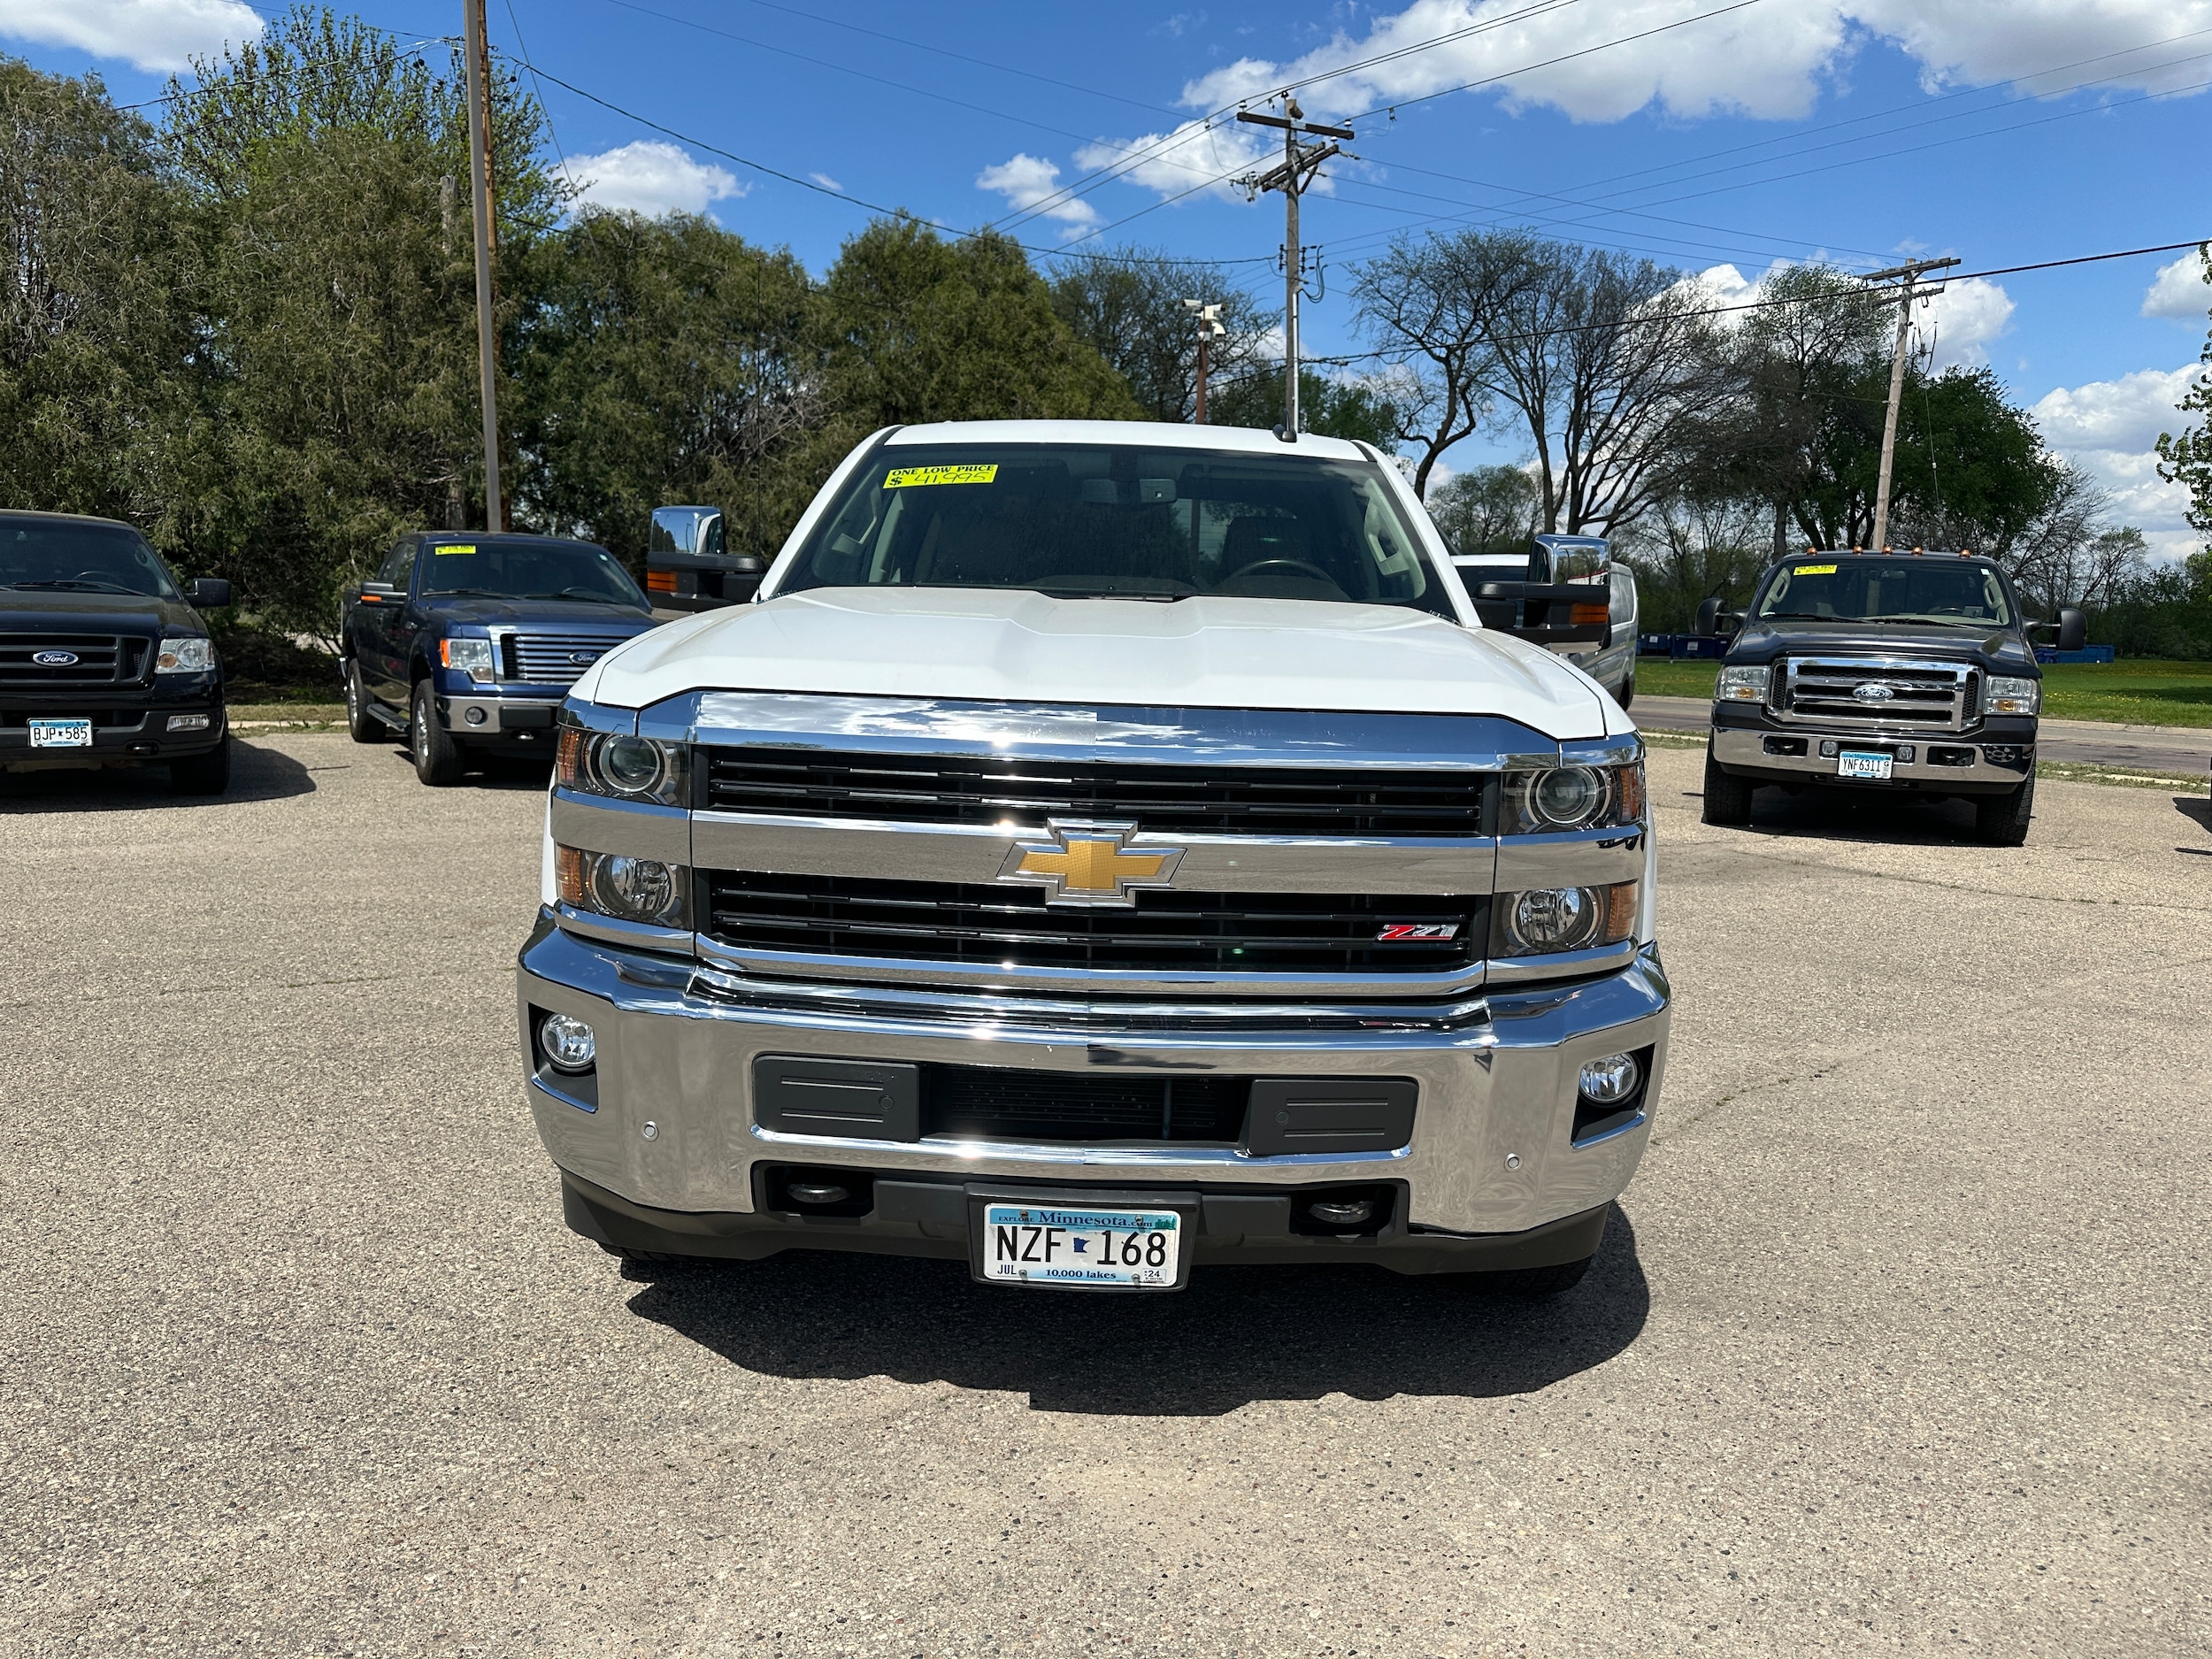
pixel 61 734
pixel 1855 762
pixel 1134 1249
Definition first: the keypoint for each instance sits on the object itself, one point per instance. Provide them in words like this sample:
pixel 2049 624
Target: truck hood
pixel 59 611
pixel 525 614
pixel 997 646
pixel 1998 650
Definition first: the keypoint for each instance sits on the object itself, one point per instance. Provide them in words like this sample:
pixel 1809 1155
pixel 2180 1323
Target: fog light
pixel 1612 1079
pixel 817 1193
pixel 1905 753
pixel 188 723
pixel 1828 749
pixel 473 716
pixel 568 1042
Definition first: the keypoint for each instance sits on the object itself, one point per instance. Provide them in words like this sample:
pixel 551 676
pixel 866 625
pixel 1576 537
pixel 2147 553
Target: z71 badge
pixel 1416 933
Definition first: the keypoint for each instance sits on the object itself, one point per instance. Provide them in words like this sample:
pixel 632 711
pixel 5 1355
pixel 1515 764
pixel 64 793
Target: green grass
pixel 2137 691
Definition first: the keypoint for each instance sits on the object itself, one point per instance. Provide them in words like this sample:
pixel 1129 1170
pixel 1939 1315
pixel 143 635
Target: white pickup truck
pixel 1099 850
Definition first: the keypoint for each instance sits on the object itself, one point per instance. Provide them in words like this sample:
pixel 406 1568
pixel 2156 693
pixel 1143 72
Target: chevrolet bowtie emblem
pixel 1089 863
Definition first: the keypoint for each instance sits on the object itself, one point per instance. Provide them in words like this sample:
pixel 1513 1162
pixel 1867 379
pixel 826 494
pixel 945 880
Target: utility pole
pixel 1911 272
pixel 1300 163
pixel 477 51
pixel 1207 321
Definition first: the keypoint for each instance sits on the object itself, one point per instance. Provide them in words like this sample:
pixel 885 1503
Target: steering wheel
pixel 1302 566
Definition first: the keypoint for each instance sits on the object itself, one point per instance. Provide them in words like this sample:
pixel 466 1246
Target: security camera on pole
pixel 1300 163
pixel 1911 272
pixel 1206 322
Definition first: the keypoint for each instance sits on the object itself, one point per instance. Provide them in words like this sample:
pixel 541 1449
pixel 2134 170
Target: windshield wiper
pixel 87 588
pixel 1148 595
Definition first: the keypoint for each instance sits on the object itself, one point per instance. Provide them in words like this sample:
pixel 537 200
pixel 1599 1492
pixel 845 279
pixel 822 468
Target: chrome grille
pixel 1166 800
pixel 553 659
pixel 102 659
pixel 1896 694
pixel 990 926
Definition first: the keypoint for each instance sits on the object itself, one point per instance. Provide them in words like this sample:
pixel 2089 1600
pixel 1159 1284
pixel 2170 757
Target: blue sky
pixel 2004 131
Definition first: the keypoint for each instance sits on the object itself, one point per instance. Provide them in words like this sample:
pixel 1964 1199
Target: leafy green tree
pixel 1486 509
pixel 2186 457
pixel 1129 308
pixel 91 339
pixel 333 276
pixel 1334 409
pixel 665 360
pixel 921 329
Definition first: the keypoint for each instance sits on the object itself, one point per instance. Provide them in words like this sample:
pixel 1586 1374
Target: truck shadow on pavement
pixel 2199 809
pixel 1836 814
pixel 256 774
pixel 1237 1335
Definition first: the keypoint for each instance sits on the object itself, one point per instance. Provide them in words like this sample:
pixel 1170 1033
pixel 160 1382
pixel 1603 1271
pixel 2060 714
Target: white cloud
pixel 2178 291
pixel 149 34
pixel 2111 428
pixel 651 177
pixel 826 183
pixel 1959 322
pixel 1767 61
pixel 1194 154
pixel 1025 181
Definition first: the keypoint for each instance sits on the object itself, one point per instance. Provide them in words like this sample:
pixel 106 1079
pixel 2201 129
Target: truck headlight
pixel 2011 694
pixel 1573 798
pixel 185 657
pixel 617 885
pixel 1742 682
pixel 617 763
pixel 1544 921
pixel 473 658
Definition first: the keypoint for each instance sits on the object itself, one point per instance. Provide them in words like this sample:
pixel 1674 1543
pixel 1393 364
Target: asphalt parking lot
pixel 1897 1344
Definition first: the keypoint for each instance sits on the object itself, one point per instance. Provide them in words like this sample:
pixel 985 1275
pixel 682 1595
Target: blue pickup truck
pixel 465 643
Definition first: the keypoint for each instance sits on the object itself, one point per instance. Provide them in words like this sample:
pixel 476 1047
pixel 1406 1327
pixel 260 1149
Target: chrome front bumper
pixel 1747 749
pixel 667 1123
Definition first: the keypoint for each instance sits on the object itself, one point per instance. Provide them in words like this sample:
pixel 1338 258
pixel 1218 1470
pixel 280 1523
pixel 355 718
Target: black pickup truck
pixel 1909 672
pixel 103 660
pixel 467 643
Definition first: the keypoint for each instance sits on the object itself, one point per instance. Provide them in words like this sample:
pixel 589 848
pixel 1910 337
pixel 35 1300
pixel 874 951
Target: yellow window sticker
pixel 1813 570
pixel 458 547
pixel 907 476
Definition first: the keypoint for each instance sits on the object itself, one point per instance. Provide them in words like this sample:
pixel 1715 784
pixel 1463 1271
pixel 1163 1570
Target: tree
pixel 1356 409
pixel 1606 364
pixel 2186 457
pixel 663 361
pixel 91 339
pixel 337 376
pixel 1693 546
pixel 2068 554
pixel 1128 307
pixel 1486 509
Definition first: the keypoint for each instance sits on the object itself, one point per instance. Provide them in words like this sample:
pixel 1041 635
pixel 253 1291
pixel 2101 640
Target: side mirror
pixel 379 593
pixel 1709 617
pixel 2073 629
pixel 208 593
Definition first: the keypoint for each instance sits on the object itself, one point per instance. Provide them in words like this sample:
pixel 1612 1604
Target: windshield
pixel 1107 522
pixel 529 569
pixel 63 557
pixel 1958 592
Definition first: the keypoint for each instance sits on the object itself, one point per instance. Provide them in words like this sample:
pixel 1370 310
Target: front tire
pixel 201 774
pixel 1728 798
pixel 437 757
pixel 2001 821
pixel 361 726
pixel 1628 692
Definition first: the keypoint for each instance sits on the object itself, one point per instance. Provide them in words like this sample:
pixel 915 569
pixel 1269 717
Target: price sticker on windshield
pixel 458 547
pixel 908 477
pixel 1812 570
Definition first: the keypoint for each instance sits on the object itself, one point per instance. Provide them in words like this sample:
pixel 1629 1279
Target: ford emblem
pixel 1874 693
pixel 55 659
pixel 583 659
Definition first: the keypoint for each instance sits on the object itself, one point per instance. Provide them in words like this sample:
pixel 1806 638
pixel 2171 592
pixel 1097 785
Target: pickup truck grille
pixel 1847 691
pixel 1187 800
pixel 978 1103
pixel 553 659
pixel 989 926
pixel 102 659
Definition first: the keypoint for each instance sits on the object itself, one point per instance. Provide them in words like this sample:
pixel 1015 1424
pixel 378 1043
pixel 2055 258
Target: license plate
pixel 61 734
pixel 1135 1250
pixel 1861 764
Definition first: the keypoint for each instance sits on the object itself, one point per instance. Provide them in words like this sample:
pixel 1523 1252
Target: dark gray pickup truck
pixel 1909 672
pixel 103 660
